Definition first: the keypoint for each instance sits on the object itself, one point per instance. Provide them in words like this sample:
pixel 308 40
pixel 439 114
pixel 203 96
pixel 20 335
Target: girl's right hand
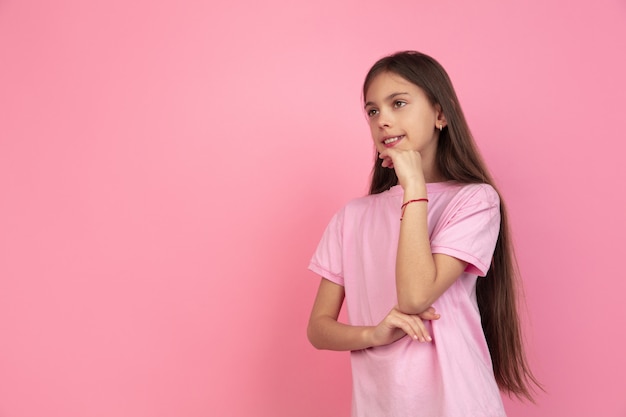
pixel 396 325
pixel 407 165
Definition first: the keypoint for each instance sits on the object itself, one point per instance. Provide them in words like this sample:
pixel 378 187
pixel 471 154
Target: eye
pixel 372 112
pixel 399 103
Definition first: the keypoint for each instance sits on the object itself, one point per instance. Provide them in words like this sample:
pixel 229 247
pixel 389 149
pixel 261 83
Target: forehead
pixel 386 84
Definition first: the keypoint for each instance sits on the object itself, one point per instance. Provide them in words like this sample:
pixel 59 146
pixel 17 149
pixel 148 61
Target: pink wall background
pixel 167 168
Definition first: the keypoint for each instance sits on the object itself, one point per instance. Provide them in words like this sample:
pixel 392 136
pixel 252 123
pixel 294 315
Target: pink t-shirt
pixel 452 376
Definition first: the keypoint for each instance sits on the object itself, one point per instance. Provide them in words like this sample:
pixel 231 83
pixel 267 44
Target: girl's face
pixel 401 116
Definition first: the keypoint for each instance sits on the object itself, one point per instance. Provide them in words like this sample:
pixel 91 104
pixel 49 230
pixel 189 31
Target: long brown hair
pixel 458 159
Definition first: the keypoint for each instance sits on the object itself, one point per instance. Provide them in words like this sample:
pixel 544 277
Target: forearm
pixel 415 266
pixel 327 333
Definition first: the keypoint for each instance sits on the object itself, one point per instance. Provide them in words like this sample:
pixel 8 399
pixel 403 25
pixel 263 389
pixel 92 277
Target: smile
pixel 392 140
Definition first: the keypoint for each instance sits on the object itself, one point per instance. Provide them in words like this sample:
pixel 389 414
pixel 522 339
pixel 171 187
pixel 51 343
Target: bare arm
pixel 325 332
pixel 421 277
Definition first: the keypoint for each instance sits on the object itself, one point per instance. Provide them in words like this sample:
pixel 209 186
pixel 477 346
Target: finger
pixel 388 154
pixel 397 319
pixel 420 329
pixel 387 163
pixel 411 330
pixel 411 325
pixel 429 315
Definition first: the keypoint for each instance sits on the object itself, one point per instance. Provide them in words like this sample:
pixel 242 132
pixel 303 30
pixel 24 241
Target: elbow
pixel 313 337
pixel 415 297
pixel 414 305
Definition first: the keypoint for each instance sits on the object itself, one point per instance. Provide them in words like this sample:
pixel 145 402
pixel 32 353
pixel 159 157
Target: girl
pixel 428 338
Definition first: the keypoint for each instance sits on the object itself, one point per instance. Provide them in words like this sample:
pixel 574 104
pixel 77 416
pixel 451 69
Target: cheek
pixel 426 125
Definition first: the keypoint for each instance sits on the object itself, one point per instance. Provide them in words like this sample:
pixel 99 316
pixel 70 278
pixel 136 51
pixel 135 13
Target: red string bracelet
pixel 403 207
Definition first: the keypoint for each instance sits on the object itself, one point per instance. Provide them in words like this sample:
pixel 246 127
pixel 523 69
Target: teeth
pixel 391 140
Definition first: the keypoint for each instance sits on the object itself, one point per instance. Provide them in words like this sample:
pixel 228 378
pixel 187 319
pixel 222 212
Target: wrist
pixel 414 191
pixel 368 336
pixel 406 204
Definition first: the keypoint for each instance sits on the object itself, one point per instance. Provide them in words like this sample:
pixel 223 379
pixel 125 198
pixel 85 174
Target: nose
pixel 385 119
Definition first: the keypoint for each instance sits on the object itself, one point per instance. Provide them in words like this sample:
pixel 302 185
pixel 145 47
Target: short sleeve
pixel 470 231
pixel 327 261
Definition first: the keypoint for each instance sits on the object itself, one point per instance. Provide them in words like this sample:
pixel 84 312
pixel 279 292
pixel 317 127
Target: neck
pixel 430 169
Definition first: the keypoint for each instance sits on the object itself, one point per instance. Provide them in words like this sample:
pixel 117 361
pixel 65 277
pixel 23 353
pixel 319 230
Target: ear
pixel 440 121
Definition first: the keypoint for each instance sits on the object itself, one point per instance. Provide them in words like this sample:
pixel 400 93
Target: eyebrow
pixel 389 97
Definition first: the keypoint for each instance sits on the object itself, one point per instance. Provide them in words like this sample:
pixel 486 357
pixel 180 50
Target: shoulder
pixel 456 199
pixel 454 194
pixel 479 193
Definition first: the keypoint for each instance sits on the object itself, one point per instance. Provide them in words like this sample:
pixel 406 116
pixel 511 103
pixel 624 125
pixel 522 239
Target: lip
pixel 391 144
